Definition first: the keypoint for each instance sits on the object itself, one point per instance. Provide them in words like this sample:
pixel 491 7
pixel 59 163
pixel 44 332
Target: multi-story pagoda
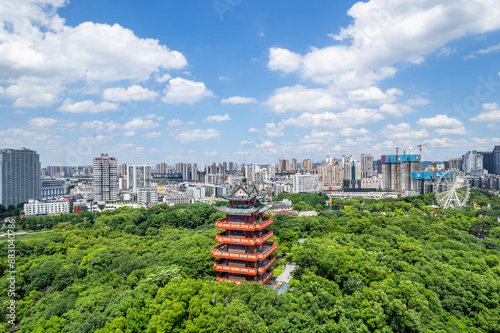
pixel 245 252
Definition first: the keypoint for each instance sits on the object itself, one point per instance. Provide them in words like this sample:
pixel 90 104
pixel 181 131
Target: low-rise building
pixel 148 195
pixel 196 192
pixel 215 190
pixel 173 197
pixel 52 188
pixel 374 182
pixel 35 207
pixel 102 206
pixel 281 206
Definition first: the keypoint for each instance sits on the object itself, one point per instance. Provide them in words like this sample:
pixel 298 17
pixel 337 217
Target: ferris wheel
pixel 452 189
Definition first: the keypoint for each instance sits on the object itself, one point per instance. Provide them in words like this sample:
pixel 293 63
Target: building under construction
pixel 397 172
pixel 424 181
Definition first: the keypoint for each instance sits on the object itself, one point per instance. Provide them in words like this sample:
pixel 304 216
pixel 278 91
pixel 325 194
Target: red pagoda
pixel 245 252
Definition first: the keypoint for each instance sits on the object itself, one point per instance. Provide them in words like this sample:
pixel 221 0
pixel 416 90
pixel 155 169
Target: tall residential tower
pixel 105 183
pixel 20 172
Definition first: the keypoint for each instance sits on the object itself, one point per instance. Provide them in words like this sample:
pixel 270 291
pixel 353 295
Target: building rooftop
pixel 244 209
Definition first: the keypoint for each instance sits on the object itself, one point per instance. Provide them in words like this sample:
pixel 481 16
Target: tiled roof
pixel 261 208
pixel 243 197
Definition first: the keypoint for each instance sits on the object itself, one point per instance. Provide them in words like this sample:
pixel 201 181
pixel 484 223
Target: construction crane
pixel 420 146
pixel 397 169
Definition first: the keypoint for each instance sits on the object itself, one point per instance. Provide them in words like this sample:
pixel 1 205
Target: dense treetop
pixel 394 265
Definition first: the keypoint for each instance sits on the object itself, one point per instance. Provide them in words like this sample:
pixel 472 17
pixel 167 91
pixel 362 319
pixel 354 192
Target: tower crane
pixel 397 169
pixel 420 146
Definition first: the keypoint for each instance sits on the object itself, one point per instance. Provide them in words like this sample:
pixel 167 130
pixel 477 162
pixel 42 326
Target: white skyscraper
pixel 139 176
pixel 250 173
pixel 105 183
pixel 472 161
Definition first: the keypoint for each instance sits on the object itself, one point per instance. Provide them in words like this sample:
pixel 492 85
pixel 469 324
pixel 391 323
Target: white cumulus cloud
pixel 440 120
pixel 42 122
pixel 87 106
pixel 132 93
pixel 403 131
pixel 138 124
pixel 385 33
pixel 219 117
pixel 491 114
pixel 152 135
pixel 180 90
pixel 198 134
pixel 238 100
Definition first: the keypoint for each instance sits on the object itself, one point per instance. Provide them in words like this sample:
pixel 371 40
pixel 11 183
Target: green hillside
pixel 372 266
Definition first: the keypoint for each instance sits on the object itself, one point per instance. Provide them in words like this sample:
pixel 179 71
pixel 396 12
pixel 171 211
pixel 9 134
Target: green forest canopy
pixel 414 269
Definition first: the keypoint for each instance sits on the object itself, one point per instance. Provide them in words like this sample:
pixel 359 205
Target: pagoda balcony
pixel 223 224
pixel 263 269
pixel 224 266
pixel 221 251
pixel 262 280
pixel 221 267
pixel 241 240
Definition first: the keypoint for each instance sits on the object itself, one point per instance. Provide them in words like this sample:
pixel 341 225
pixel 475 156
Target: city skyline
pixel 250 82
pixel 276 163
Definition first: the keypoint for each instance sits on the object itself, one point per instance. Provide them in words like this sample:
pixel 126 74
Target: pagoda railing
pixel 222 224
pixel 218 253
pixel 243 240
pixel 238 281
pixel 234 269
pixel 243 270
pixel 263 269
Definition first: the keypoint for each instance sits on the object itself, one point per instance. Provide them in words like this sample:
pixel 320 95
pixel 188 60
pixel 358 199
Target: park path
pixel 286 275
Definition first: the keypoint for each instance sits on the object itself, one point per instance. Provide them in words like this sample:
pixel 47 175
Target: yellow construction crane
pixel 420 146
pixel 397 169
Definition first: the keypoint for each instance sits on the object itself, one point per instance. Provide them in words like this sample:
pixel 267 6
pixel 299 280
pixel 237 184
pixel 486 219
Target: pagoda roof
pixel 243 209
pixel 243 197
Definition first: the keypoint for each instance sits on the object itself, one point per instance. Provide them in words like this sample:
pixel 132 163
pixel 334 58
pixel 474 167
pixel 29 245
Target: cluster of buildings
pixel 405 172
pixel 107 185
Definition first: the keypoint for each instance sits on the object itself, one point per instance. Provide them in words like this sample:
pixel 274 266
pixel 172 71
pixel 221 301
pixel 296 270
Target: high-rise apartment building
pixel 286 165
pixel 139 176
pixel 397 172
pixel 454 163
pixel 187 171
pixel 283 165
pixel 105 183
pixel 20 172
pixel 294 165
pixel 330 175
pixel 366 165
pixel 162 168
pixel 250 173
pixel 215 174
pixel 121 170
pixel 488 161
pixel 306 164
pixel 472 161
pixel 496 160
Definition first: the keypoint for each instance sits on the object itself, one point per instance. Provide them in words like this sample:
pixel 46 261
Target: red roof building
pixel 245 253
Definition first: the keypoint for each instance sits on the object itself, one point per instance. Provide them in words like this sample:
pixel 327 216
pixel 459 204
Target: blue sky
pixel 248 81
